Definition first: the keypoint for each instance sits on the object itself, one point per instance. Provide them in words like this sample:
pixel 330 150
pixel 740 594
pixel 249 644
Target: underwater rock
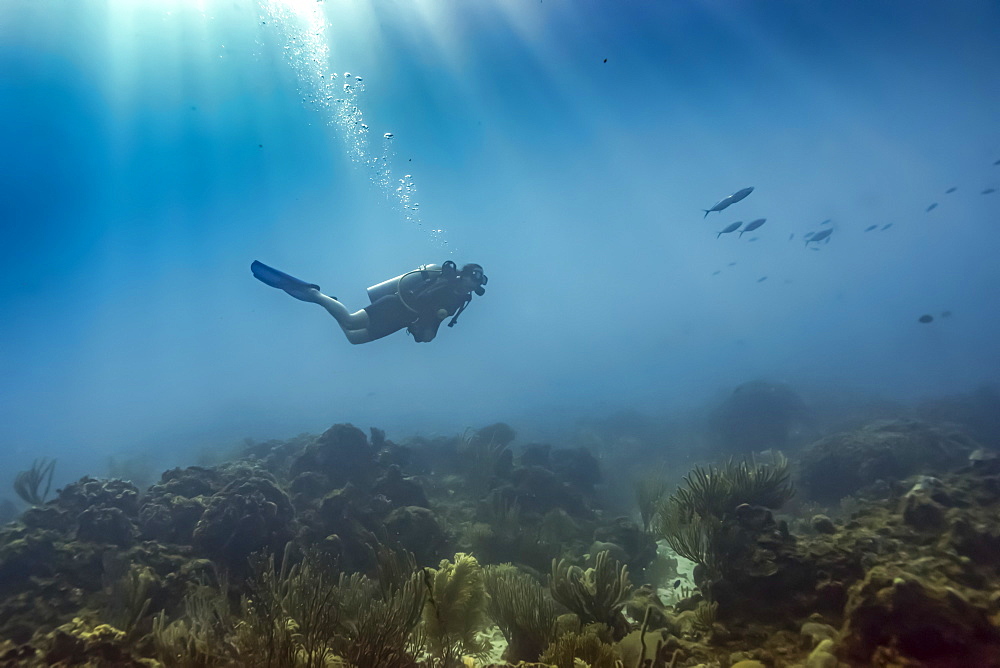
pixel 653 648
pixel 47 518
pixel 346 518
pixel 638 548
pixel 617 552
pixel 536 454
pixel 894 611
pixel 172 507
pixel 90 492
pixel 77 643
pixel 399 490
pixel 342 453
pixel 576 467
pixel 823 656
pixel 979 541
pixel 247 516
pixel 842 464
pixel 645 601
pixel 8 511
pixel 977 412
pixel 823 524
pixel 390 453
pixel 188 482
pixel 922 512
pixel 170 519
pixel 416 530
pixel 758 415
pixel 499 434
pixel 105 525
pixel 307 486
pixel 817 631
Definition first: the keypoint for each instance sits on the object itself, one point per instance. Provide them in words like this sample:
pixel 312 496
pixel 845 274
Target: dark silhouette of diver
pixel 418 300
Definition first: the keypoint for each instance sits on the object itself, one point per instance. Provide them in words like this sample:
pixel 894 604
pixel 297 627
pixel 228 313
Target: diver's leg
pixel 355 325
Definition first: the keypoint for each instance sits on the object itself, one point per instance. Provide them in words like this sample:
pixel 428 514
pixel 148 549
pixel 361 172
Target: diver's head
pixel 474 279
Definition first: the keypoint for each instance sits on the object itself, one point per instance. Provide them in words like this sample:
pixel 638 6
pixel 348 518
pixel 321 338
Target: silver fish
pixel 870 228
pixel 753 225
pixel 726 201
pixel 887 226
pixel 932 207
pixel 819 236
pixel 950 190
pixel 730 228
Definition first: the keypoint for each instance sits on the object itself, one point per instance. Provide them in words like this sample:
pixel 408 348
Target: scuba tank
pixel 408 284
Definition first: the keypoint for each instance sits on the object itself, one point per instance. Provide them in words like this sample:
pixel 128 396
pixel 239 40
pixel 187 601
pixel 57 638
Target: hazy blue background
pixel 150 150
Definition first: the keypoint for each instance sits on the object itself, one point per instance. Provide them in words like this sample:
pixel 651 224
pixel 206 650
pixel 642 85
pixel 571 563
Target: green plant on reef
pixel 522 610
pixel 596 594
pixel 288 617
pixel 455 611
pixel 705 614
pixel 648 492
pixel 717 492
pixel 299 615
pixel 201 638
pixel 592 647
pixel 26 483
pixel 479 459
pixel 128 589
pixel 378 620
pixel 698 520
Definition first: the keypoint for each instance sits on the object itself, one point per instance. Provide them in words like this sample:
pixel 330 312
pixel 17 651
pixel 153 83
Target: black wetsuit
pixel 418 310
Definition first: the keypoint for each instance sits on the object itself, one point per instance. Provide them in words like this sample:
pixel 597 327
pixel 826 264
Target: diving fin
pixel 282 281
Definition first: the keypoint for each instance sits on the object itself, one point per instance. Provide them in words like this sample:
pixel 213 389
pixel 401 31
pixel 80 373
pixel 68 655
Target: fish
pixel 989 190
pixel 926 318
pixel 932 207
pixel 887 226
pixel 753 225
pixel 677 583
pixel 819 236
pixel 828 220
pixel 730 228
pixel 997 162
pixel 717 271
pixel 762 279
pixel 753 238
pixel 726 201
pixel 791 236
pixel 731 264
pixel 870 228
pixel 950 190
pixel 807 235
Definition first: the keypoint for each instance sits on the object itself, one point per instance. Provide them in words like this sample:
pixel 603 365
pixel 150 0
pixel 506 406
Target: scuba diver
pixel 418 300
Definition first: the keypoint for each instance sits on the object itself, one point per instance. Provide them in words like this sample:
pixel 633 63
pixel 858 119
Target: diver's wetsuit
pixel 430 306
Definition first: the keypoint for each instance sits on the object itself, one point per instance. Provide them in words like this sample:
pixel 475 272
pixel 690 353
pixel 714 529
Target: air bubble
pixel 388 135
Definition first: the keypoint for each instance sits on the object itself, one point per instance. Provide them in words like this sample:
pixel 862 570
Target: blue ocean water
pixel 149 151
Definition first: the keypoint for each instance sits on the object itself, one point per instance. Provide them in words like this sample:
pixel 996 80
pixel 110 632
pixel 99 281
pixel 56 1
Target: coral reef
pixel 330 551
pixel 757 415
pixel 885 450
